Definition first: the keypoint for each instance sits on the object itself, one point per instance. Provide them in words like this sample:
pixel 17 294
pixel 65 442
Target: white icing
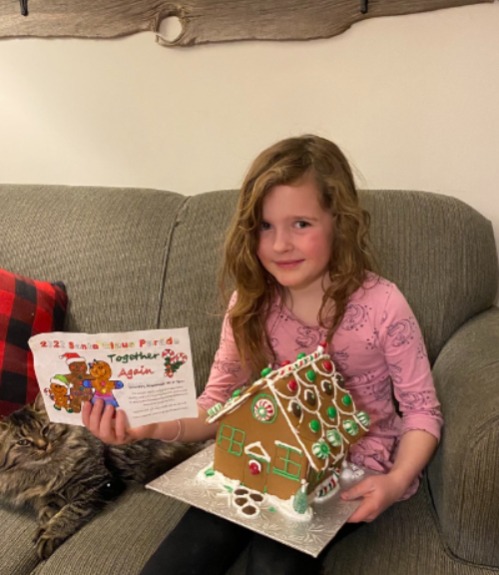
pixel 286 446
pixel 285 506
pixel 256 464
pixel 317 455
pixel 228 487
pixel 257 450
pixel 350 474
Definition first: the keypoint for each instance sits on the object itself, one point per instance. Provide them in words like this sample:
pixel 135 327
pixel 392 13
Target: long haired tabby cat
pixel 67 475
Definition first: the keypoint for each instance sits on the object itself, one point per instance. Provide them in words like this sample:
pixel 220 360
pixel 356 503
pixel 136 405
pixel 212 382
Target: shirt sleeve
pixel 409 367
pixel 226 373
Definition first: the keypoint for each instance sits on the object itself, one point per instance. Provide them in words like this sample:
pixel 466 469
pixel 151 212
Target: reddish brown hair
pixel 286 163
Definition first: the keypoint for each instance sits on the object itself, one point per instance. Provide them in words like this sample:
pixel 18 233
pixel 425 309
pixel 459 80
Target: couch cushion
pixel 464 473
pixel 27 307
pixel 109 245
pixel 404 540
pixel 193 267
pixel 120 539
pixel 437 249
pixel 440 252
pixel 17 552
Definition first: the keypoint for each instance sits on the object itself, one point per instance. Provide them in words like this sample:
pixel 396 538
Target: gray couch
pixel 138 259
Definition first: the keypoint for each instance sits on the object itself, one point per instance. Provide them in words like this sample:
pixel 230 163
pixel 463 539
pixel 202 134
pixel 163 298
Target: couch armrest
pixel 464 475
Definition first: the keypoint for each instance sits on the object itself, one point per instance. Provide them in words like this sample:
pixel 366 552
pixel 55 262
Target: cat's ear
pixel 39 404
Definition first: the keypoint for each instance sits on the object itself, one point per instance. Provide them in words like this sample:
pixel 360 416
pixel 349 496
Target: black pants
pixel 204 544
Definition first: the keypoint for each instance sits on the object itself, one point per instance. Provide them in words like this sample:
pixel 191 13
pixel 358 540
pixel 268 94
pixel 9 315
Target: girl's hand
pixel 378 492
pixel 110 425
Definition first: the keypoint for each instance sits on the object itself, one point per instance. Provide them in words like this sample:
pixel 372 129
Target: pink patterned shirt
pixel 378 347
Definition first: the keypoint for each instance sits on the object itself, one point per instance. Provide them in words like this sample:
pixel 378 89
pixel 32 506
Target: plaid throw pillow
pixel 27 307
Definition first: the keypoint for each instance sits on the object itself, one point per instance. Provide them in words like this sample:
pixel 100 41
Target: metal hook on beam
pixel 364 6
pixel 24 7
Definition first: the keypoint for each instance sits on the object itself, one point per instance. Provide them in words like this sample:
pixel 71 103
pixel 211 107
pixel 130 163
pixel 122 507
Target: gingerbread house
pixel 288 431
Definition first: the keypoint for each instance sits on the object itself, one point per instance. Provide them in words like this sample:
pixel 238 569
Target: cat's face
pixel 26 439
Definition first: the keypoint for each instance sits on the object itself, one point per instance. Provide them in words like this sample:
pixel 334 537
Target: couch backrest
pixel 108 245
pixel 140 259
pixel 440 252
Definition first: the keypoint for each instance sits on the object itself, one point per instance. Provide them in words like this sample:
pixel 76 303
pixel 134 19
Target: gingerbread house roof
pixel 319 411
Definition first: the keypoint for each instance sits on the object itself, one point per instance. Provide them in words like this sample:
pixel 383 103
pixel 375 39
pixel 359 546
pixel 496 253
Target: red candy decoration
pixel 285 362
pixel 292 385
pixel 328 366
pixel 254 467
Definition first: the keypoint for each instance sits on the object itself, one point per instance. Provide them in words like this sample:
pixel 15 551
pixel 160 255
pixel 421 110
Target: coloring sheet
pixel 148 374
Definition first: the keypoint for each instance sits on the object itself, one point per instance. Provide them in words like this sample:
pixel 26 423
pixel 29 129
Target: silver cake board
pixel 310 536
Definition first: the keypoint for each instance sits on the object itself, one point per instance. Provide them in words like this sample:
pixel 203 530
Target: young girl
pixel 298 254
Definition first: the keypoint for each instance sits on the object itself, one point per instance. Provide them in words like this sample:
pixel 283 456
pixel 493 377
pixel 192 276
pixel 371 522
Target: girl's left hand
pixel 377 492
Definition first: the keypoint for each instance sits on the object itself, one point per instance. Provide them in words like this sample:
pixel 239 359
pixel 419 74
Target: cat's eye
pixel 23 442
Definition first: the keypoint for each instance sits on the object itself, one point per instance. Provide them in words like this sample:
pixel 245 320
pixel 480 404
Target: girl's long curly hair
pixel 288 162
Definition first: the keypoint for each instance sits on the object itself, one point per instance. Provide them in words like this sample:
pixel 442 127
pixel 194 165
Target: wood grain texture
pixel 202 21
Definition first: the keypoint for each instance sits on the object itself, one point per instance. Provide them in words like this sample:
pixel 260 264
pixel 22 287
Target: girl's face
pixel 296 237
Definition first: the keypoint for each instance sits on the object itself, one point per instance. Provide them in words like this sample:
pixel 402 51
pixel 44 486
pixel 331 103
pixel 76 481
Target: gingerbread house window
pixel 231 439
pixel 287 462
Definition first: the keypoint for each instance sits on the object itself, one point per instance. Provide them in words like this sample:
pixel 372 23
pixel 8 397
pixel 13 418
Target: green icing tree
pixel 300 501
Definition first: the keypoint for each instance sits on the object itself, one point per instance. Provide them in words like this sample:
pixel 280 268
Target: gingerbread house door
pixel 256 467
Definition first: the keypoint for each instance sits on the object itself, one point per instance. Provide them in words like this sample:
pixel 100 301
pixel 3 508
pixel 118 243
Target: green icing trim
pixel 282 473
pixel 283 458
pixel 231 439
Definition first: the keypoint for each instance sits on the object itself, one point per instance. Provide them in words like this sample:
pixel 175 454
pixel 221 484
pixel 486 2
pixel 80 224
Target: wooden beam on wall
pixel 202 21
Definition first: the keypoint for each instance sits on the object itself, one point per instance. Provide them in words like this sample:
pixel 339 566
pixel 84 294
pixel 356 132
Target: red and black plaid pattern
pixel 27 307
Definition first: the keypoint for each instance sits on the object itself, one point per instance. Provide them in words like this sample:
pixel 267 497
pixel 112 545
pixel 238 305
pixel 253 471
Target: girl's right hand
pixel 110 425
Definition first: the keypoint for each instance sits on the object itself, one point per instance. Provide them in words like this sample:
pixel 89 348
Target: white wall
pixel 413 101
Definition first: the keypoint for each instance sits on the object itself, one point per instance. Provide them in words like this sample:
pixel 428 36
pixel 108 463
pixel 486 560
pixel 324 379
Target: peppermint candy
pixel 263 409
